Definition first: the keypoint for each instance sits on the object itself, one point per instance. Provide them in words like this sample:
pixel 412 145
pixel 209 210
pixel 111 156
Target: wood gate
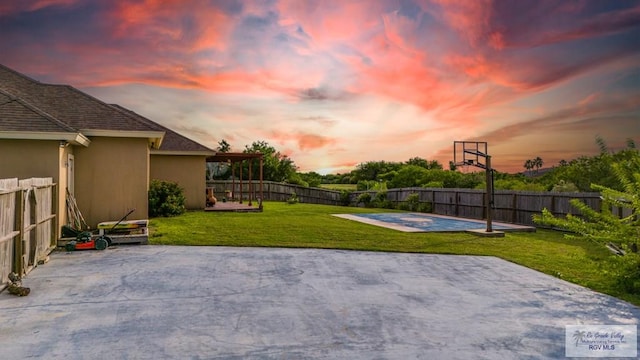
pixel 27 224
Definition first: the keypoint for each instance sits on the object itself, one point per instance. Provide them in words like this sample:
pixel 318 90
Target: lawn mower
pixel 86 240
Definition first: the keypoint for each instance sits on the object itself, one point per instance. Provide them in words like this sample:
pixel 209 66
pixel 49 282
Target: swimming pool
pixel 419 222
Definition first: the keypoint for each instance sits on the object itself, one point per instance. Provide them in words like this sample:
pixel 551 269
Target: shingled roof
pixel 29 106
pixel 172 142
pixel 75 108
pixel 19 116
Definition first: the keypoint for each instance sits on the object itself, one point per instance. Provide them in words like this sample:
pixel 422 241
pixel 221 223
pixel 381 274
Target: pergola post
pixel 241 182
pixel 250 181
pixel 261 193
pixel 233 182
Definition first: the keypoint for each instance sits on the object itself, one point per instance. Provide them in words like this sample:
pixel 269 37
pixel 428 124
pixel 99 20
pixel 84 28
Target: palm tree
pixel 537 163
pixel 602 145
pixel 528 165
pixel 631 144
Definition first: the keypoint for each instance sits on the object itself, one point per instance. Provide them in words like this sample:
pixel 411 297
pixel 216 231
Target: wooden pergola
pixel 234 158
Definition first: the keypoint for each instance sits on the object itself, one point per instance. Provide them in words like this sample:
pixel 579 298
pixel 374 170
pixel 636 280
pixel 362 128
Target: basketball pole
pixel 489 194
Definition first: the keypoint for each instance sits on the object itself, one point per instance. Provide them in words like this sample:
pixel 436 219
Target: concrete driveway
pixel 165 302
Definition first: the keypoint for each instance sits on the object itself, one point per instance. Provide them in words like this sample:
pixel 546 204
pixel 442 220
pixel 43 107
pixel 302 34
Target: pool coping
pixel 481 223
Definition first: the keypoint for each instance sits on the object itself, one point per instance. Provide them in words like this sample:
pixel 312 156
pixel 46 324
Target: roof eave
pixel 155 137
pixel 183 152
pixel 70 137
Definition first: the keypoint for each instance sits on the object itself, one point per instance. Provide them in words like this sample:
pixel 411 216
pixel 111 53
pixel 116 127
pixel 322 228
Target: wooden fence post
pixel 456 195
pixel 18 260
pixel 55 221
pixel 514 212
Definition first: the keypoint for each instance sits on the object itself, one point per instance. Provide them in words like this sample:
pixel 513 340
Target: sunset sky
pixel 335 83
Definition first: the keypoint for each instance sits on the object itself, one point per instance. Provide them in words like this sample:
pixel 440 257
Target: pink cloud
pixel 471 19
pixel 402 31
pixel 331 22
pixel 496 40
pixel 313 141
pixel 304 141
pixel 158 23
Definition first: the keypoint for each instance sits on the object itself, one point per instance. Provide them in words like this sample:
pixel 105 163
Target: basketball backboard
pixel 472 153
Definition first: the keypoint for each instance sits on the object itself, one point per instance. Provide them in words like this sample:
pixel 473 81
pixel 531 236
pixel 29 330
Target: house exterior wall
pixel 189 171
pixel 111 178
pixel 24 159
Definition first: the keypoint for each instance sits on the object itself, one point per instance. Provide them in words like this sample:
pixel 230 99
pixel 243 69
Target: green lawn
pixel 307 225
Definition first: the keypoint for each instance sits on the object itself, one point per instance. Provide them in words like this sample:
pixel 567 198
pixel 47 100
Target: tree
pixel 452 166
pixel 587 170
pixel 276 166
pixel 373 169
pixel 219 170
pixel 409 176
pixel 605 227
pixel 622 233
pixel 528 165
pixel 312 178
pixel 537 163
pixel 631 144
pixel 433 164
pixel 602 145
pixel 223 146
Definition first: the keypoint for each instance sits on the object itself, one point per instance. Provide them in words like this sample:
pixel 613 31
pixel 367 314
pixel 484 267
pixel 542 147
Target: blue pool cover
pixel 425 222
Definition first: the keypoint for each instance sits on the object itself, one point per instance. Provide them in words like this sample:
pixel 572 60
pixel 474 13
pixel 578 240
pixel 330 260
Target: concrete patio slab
pixel 160 302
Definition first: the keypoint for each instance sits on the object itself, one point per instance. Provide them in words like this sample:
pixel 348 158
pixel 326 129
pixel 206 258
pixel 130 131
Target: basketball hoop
pixel 475 153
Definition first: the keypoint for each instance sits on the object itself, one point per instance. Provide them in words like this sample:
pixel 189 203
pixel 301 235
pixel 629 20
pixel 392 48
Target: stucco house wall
pixel 188 171
pixel 29 158
pixel 24 159
pixel 112 177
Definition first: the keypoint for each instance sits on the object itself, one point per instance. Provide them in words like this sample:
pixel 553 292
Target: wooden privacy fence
pixel 509 205
pixel 27 224
pixel 273 191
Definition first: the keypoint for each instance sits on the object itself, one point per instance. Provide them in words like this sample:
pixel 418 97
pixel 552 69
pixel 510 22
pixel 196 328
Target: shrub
pixel 166 198
pixel 403 206
pixel 425 207
pixel 364 199
pixel 345 197
pixel 433 184
pixel 293 199
pixel 296 179
pixel 412 202
pixel 565 186
pixel 626 270
pixel 381 201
